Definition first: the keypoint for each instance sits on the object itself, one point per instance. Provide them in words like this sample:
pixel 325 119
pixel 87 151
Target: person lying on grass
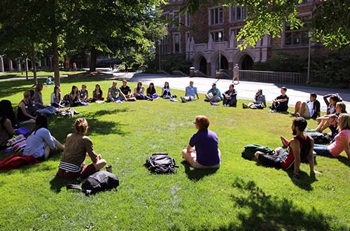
pixel 202 151
pixel 300 149
pixel 77 146
pixel 341 141
pixel 40 142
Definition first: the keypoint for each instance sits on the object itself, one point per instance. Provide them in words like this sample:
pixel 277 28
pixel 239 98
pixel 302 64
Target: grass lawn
pixel 241 195
pixel 39 74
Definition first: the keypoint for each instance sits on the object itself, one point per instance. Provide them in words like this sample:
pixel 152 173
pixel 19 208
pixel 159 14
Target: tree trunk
pixel 34 65
pixel 55 58
pixel 55 63
pixel 26 63
pixel 93 57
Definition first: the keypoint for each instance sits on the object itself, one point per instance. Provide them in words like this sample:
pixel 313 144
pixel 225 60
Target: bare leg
pixel 297 107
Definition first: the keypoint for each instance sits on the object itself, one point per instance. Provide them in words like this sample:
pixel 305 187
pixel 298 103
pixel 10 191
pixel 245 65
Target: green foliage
pixel 332 68
pixel 330 24
pixel 283 62
pixel 241 195
pixel 174 63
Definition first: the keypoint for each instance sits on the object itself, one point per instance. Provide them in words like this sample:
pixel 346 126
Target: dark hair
pixel 313 95
pixel 166 85
pixel 73 87
pixel 284 88
pixel 335 98
pixel 301 123
pixel 55 88
pixel 40 122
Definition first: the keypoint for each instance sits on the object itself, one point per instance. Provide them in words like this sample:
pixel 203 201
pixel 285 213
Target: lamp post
pixel 219 36
pixel 309 59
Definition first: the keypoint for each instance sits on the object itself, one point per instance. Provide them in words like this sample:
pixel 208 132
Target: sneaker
pixel 272 111
pixel 244 106
pixel 183 99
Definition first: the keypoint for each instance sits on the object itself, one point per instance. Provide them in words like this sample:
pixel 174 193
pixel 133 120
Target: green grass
pixel 239 196
pixel 39 74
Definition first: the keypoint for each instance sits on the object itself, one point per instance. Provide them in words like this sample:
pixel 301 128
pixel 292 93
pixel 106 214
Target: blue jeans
pixel 322 150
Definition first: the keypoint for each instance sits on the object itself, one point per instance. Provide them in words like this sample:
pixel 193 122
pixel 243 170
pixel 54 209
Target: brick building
pixel 211 33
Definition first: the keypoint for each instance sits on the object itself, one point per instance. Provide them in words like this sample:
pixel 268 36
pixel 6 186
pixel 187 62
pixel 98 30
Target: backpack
pixel 250 149
pixel 98 182
pixel 16 143
pixel 161 163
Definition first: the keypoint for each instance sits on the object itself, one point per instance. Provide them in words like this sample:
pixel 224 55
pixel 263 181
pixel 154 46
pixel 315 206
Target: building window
pixel 237 13
pixel 295 37
pixel 188 19
pixel 216 16
pixel 176 43
pixel 218 36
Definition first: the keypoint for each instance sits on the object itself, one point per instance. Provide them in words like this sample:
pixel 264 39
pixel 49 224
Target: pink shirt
pixel 341 143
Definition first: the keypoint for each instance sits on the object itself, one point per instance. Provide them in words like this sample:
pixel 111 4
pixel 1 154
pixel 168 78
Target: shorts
pixel 84 172
pixel 193 162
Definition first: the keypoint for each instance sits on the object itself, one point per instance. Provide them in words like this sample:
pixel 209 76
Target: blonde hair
pixel 81 126
pixel 342 106
pixel 202 122
pixel 344 121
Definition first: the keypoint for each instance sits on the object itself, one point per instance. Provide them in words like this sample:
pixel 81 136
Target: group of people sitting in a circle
pixel 202 150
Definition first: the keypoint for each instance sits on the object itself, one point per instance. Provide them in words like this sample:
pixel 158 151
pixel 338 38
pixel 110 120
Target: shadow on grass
pixel 197 174
pixel 344 160
pixel 57 183
pixel 260 211
pixel 304 181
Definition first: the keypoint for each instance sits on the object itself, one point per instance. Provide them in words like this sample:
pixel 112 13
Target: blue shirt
pixel 207 147
pixel 215 92
pixel 191 91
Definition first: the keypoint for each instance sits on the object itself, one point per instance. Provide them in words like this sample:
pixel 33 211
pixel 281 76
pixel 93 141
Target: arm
pixel 8 127
pixel 325 98
pixel 22 107
pixel 310 156
pixel 295 147
pixel 189 149
pixel 47 137
pixel 121 93
pixel 53 98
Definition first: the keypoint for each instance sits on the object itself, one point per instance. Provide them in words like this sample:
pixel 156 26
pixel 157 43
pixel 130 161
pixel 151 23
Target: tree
pixel 112 27
pixel 21 30
pixel 330 24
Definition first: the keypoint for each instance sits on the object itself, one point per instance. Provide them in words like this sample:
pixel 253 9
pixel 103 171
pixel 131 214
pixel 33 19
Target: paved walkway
pixel 246 90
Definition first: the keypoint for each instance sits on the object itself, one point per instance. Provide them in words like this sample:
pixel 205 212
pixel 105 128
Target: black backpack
pixel 250 149
pixel 98 182
pixel 161 163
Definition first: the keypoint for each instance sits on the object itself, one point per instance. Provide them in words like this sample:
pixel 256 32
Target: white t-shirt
pixel 310 105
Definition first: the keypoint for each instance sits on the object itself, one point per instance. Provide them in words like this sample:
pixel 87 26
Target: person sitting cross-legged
pixel 190 94
pixel 77 147
pixel 258 103
pixel 230 97
pixel 113 92
pixel 126 92
pixel 308 109
pixel 300 149
pixel 213 94
pixel 280 103
pixel 203 149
